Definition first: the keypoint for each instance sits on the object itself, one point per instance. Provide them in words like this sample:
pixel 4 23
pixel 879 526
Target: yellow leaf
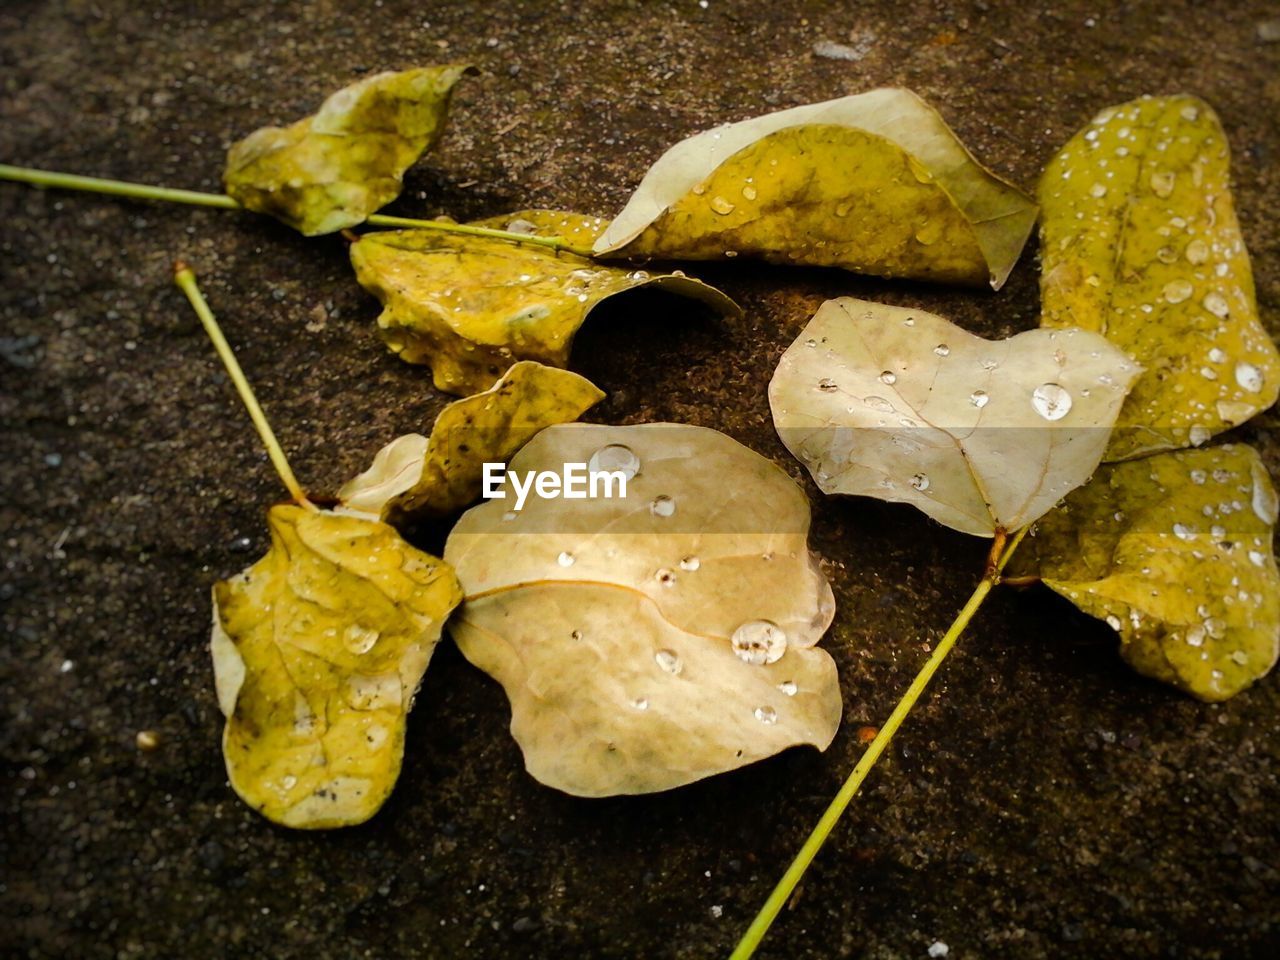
pixel 1140 243
pixel 575 229
pixel 875 183
pixel 417 476
pixel 981 435
pixel 469 306
pixel 1174 553
pixel 331 170
pixel 649 640
pixel 318 649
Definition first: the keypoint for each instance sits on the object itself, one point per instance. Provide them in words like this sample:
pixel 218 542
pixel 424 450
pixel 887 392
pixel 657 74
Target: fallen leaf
pixel 1174 553
pixel 575 229
pixel 981 435
pixel 331 170
pixel 469 306
pixel 875 183
pixel 318 649
pixel 650 640
pixel 1139 242
pixel 416 476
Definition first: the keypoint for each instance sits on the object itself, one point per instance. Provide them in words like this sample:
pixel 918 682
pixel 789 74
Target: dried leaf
pixel 652 640
pixel 331 170
pixel 318 649
pixel 875 183
pixel 415 476
pixel 1140 243
pixel 1174 553
pixel 575 229
pixel 981 435
pixel 468 306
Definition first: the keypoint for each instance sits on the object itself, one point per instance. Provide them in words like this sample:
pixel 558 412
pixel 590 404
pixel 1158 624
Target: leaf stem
pixel 790 880
pixel 142 191
pixel 185 278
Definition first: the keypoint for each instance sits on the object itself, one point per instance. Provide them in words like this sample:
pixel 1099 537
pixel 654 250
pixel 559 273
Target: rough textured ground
pixel 1044 802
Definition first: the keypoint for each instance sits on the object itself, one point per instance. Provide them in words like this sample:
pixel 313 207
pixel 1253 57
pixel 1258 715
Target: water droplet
pixel 759 642
pixel 373 693
pixel 1189 113
pixel 788 687
pixel 826 385
pixel 1249 377
pixel 1175 291
pixel 878 403
pixel 640 704
pixel 662 506
pixel 1199 434
pixel 690 563
pixel 1257 558
pixel 575 635
pixel 1216 304
pixel 669 661
pixel 1183 532
pixel 1113 622
pixel 942 350
pixel 1198 477
pixel 979 398
pixel 1098 190
pixel 359 639
pixel 811 342
pixel 889 378
pixel 842 209
pixel 721 206
pixel 989 364
pixel 766 715
pixel 1239 658
pixel 509 516
pixel 615 458
pixel 1195 635
pixel 665 577
pixel 1162 183
pixel 289 782
pixel 749 192
pixel 920 482
pixel 1051 401
pixel 1167 255
pixel 1217 356
pixel 1197 252
pixel 565 559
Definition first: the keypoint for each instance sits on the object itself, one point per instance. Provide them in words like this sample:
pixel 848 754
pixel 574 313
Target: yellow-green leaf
pixel 875 183
pixel 650 640
pixel 981 435
pixel 318 649
pixel 331 170
pixel 1139 242
pixel 470 306
pixel 418 476
pixel 1174 553
pixel 577 230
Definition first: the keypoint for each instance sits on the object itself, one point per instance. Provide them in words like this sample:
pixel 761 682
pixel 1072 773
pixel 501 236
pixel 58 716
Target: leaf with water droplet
pixel 334 168
pixel 987 436
pixel 469 306
pixel 417 476
pixel 705 613
pixel 1158 265
pixel 1174 553
pixel 318 649
pixel 875 183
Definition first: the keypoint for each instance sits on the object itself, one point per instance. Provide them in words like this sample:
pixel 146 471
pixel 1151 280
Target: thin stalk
pixel 790 880
pixel 142 191
pixel 185 278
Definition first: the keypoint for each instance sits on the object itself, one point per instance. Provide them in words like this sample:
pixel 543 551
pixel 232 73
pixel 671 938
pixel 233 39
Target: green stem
pixel 786 886
pixel 185 278
pixel 141 191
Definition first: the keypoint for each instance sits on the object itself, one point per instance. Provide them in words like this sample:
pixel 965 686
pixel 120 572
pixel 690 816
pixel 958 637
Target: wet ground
pixel 1044 801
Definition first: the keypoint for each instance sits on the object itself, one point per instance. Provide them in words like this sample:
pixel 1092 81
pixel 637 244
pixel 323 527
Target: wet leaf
pixel 575 229
pixel 876 183
pixel 414 476
pixel 469 306
pixel 650 640
pixel 331 170
pixel 1140 242
pixel 981 435
pixel 318 649
pixel 1174 553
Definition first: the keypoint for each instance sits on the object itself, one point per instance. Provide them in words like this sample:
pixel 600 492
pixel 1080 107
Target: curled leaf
pixel 1174 553
pixel 1140 242
pixel 419 476
pixel 649 640
pixel 318 649
pixel 331 170
pixel 875 183
pixel 981 435
pixel 468 306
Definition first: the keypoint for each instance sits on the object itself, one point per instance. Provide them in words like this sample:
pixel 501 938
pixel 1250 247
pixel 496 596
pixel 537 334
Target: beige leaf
pixel 650 640
pixel 875 183
pixel 981 435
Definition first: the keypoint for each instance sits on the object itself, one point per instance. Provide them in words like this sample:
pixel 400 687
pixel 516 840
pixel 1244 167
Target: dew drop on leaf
pixel 1051 401
pixel 766 715
pixel 669 661
pixel 615 458
pixel 759 642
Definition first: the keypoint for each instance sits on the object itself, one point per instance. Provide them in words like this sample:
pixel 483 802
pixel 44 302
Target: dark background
pixel 1043 802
